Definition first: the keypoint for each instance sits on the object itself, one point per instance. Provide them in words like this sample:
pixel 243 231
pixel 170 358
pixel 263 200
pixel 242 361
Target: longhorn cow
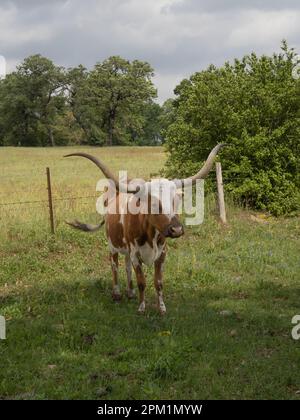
pixel 141 237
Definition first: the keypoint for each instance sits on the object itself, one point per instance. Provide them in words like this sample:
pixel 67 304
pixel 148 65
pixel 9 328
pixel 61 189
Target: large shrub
pixel 254 106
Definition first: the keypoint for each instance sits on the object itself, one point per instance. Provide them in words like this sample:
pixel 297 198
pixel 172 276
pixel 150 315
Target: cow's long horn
pixel 206 168
pixel 104 169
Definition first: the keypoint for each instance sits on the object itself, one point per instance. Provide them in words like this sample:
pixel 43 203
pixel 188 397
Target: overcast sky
pixel 177 37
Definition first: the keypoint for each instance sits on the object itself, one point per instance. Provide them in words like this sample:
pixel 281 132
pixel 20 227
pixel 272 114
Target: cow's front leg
pixel 130 289
pixel 158 281
pixel 116 294
pixel 141 282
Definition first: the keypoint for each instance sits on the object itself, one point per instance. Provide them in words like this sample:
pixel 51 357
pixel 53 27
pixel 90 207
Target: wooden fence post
pixel 221 200
pixel 50 201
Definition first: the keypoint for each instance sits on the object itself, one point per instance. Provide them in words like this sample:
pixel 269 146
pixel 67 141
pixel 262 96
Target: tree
pixel 150 132
pixel 167 117
pixel 79 103
pixel 32 98
pixel 108 101
pixel 253 105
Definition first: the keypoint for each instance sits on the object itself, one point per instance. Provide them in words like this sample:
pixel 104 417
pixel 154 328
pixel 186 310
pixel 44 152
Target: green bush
pixel 254 106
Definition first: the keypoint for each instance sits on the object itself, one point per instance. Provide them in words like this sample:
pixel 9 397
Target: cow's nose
pixel 176 231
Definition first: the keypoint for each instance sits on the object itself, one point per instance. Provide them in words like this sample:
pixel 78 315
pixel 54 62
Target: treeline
pixel 252 104
pixel 42 104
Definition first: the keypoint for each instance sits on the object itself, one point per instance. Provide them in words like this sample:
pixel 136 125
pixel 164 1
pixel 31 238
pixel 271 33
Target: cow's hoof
pixel 162 309
pixel 131 293
pixel 142 308
pixel 116 296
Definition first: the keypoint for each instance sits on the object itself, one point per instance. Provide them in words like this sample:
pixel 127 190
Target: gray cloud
pixel 188 6
pixel 177 37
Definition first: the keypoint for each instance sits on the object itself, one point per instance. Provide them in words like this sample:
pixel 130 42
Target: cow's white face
pixel 162 201
pixel 163 195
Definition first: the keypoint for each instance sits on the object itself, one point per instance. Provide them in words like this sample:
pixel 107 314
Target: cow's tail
pixel 84 226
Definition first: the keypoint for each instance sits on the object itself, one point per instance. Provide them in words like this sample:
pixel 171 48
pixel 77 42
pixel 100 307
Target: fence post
pixel 50 201
pixel 221 200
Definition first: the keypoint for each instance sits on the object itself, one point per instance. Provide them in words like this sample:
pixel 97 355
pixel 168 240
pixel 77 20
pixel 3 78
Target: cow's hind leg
pixel 158 281
pixel 114 261
pixel 130 289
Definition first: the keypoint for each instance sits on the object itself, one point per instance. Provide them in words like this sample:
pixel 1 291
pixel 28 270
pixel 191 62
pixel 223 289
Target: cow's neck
pixel 149 233
pixel 150 243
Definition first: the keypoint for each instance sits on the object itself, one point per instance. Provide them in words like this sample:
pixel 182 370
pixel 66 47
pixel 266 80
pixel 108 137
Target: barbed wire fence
pixel 51 208
pixel 50 204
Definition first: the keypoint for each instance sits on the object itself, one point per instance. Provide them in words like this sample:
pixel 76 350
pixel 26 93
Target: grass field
pixel 230 295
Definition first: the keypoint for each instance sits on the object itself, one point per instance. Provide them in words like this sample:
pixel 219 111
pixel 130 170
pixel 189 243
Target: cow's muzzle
pixel 174 231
